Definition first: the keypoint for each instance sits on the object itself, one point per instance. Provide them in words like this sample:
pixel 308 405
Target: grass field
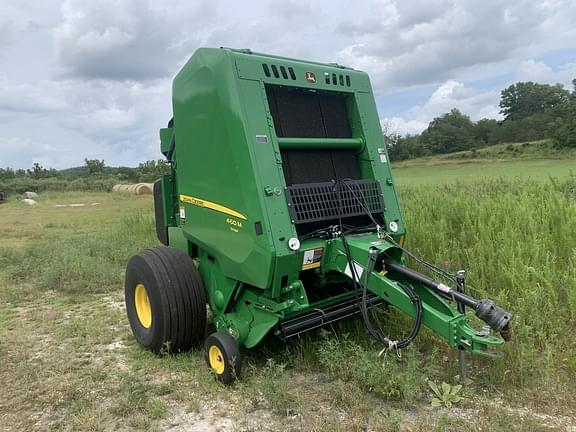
pixel 536 160
pixel 69 362
pixel 431 173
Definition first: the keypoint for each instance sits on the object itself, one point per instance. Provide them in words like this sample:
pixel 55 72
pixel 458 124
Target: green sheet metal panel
pixel 229 166
pixel 217 185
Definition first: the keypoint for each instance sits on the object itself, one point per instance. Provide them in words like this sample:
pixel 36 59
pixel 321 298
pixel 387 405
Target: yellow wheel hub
pixel 216 359
pixel 142 303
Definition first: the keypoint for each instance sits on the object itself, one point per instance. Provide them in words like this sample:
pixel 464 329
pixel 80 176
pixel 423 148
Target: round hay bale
pixel 143 189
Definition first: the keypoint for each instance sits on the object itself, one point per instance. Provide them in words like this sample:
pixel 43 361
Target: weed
pixel 270 388
pixel 446 395
pixel 156 409
pixel 387 376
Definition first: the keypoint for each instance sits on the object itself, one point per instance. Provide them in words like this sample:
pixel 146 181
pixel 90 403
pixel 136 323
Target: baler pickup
pixel 280 212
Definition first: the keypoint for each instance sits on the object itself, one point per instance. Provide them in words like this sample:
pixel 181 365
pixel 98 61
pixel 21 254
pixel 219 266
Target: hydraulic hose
pixel 362 302
pixel 375 332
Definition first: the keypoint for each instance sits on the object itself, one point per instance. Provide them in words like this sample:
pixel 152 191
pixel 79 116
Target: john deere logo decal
pixel 311 77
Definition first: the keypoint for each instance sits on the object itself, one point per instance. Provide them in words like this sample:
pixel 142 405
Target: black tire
pixel 171 316
pixel 223 357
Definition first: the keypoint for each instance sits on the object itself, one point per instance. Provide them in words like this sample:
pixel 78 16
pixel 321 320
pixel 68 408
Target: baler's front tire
pixel 223 357
pixel 165 300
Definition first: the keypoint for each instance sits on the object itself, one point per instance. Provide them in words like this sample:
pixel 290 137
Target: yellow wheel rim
pixel 216 359
pixel 142 303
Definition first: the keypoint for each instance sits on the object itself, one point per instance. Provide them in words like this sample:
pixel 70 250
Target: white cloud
pixel 118 39
pixel 6 34
pixel 91 78
pixel 43 96
pixel 531 70
pixel 403 126
pixel 403 44
pixel 451 94
pixel 60 123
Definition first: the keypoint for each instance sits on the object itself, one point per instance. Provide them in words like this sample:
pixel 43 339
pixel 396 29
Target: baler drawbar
pixel 280 212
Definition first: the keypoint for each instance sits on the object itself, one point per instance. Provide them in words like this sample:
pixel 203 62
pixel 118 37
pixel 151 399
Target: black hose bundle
pixel 362 301
pixel 376 332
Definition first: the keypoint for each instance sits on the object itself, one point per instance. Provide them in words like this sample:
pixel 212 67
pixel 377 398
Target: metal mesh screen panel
pixel 302 113
pixel 313 202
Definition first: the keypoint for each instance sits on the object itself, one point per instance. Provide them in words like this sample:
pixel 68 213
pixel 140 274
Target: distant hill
pixel 542 149
pixel 82 171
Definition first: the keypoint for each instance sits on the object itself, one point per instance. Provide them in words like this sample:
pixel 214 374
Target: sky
pixel 91 78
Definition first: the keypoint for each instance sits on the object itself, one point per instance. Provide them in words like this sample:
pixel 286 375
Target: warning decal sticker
pixel 312 258
pixel 358 270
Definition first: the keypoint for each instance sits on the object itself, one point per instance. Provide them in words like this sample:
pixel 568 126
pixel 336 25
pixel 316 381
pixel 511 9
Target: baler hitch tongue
pixel 497 318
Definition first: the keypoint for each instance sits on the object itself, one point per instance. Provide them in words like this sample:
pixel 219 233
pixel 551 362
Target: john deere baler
pixel 280 212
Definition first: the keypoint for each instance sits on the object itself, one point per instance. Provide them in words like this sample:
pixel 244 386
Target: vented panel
pixel 315 202
pixel 318 166
pixel 266 70
pixel 302 113
pixel 337 79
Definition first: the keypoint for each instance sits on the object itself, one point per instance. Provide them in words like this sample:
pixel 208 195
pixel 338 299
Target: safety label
pixel 312 258
pixel 382 154
pixel 358 270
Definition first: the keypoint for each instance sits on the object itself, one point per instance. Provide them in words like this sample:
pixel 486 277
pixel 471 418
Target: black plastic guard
pixel 161 228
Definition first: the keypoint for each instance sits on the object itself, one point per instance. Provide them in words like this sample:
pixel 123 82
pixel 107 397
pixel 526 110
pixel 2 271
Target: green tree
pixel 485 131
pixel 7 173
pixel 95 166
pixel 525 99
pixel 564 131
pixel 406 147
pixel 126 174
pixel 38 171
pixel 449 133
pixel 152 170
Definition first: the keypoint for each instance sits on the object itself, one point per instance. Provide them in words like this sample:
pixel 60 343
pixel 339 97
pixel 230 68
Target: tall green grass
pixel 517 239
pixel 74 265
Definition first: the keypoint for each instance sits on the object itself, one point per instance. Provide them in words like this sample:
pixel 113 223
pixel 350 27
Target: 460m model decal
pixel 212 206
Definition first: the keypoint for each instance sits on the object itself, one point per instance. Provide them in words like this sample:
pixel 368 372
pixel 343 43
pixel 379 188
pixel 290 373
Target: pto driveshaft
pixel 497 318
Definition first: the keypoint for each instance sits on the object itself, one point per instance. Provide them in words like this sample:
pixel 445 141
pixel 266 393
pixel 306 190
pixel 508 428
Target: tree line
pixel 531 111
pixel 93 169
